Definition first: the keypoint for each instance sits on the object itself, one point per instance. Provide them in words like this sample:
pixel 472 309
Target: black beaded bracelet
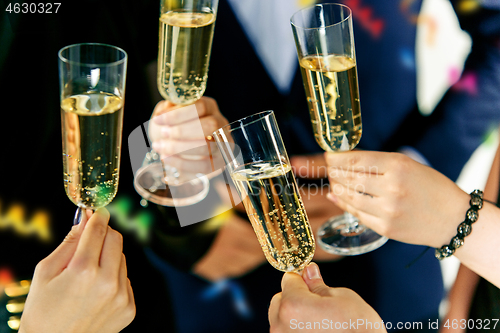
pixel 465 228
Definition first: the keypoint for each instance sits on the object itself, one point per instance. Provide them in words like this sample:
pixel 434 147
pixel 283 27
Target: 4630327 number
pixel 33 8
pixel 480 324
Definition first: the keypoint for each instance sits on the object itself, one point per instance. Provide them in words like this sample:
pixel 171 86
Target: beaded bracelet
pixel 465 228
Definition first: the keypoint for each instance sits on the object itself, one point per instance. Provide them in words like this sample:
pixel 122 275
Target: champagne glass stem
pixel 325 47
pixel 352 226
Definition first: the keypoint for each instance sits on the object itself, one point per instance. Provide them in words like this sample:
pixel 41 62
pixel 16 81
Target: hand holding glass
pixel 92 91
pixel 325 46
pixel 185 42
pixel 259 167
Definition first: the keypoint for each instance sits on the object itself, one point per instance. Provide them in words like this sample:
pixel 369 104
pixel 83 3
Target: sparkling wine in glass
pixel 325 46
pixel 92 92
pixel 258 164
pixel 186 33
pixel 185 42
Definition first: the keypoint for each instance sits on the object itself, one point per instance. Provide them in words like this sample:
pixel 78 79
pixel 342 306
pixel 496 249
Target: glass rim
pixel 258 116
pixel 321 5
pixel 211 10
pixel 111 63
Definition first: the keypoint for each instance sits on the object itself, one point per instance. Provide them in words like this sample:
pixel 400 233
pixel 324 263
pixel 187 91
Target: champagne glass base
pixel 148 182
pixel 340 236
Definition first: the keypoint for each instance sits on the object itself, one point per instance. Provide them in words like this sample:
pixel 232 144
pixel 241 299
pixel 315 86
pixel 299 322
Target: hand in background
pixel 234 252
pixel 82 286
pixel 396 196
pixel 318 208
pixel 307 300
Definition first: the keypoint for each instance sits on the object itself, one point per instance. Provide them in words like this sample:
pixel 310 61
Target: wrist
pixel 448 215
pixel 464 228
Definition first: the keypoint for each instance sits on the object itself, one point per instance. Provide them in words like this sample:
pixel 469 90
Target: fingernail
pixel 165 131
pixel 332 198
pixel 313 271
pixel 78 216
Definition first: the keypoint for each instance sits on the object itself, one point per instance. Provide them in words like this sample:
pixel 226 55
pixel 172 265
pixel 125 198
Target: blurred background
pixel 35 213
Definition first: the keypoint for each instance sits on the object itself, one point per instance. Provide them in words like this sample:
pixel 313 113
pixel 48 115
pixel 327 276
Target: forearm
pixel 460 298
pixel 481 248
pixel 462 292
pixel 488 215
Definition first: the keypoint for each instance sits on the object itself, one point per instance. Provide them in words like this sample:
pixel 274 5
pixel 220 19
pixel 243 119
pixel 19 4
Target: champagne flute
pixel 185 42
pixel 92 92
pixel 186 33
pixel 325 46
pixel 258 164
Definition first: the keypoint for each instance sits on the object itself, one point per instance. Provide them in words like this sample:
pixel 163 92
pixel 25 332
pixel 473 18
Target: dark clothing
pixel 391 119
pixel 31 168
pixel 485 309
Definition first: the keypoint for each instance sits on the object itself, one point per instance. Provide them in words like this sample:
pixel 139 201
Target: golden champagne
pixel 184 54
pixel 273 204
pixel 92 131
pixel 332 92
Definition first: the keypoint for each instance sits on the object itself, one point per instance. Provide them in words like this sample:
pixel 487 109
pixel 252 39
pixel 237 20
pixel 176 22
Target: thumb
pixel 59 259
pixel 314 281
